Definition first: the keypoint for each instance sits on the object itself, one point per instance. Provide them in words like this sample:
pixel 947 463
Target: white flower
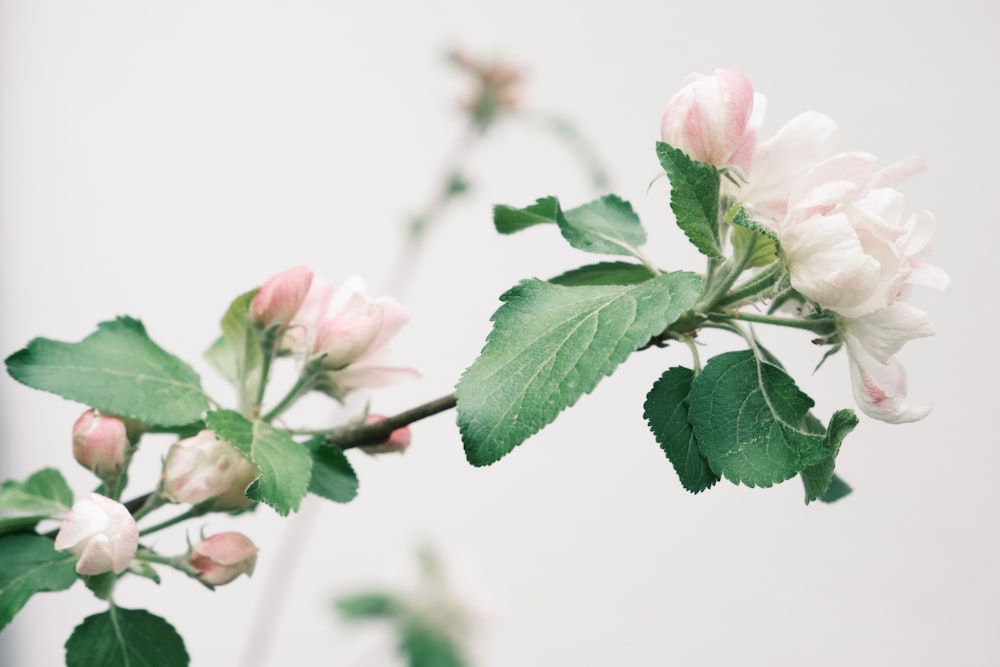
pixel 102 533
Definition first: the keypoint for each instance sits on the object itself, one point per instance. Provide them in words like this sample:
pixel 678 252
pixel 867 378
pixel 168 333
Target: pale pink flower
pixel 222 557
pixel 712 119
pixel 102 533
pixel 205 466
pixel 100 442
pixel 280 297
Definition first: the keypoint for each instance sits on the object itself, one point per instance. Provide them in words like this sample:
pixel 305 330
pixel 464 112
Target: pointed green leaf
pixel 604 273
pixel 838 489
pixel 125 638
pixel 45 494
pixel 818 477
pixel 284 465
pixel 747 417
pixel 606 226
pixel 117 370
pixel 552 344
pixel 694 198
pixel 369 605
pixel 428 645
pixel 333 477
pixel 666 411
pixel 30 564
pixel 508 219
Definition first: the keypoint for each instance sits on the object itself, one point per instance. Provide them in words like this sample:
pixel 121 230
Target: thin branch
pixel 373 434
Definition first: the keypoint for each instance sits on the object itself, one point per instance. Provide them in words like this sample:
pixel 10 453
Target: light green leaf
pixel 606 226
pixel 125 638
pixel 666 411
pixel 369 605
pixel 333 477
pixel 238 354
pixel 508 220
pixel 694 198
pixel 30 564
pixel 748 417
pixel 284 465
pixel 117 370
pixel 764 240
pixel 45 494
pixel 552 344
pixel 604 273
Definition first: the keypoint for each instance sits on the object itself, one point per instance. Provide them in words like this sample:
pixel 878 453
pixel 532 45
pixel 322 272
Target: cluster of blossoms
pixel 845 242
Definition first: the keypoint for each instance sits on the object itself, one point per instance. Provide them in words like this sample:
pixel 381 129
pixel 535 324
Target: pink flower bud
pixel 100 442
pixel 710 119
pixel 280 297
pixel 204 467
pixel 102 533
pixel 399 440
pixel 345 334
pixel 221 558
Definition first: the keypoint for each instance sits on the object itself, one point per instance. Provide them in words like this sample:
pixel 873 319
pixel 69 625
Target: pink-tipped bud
pixel 398 442
pixel 280 297
pixel 204 467
pixel 221 558
pixel 102 533
pixel 710 119
pixel 100 442
pixel 348 332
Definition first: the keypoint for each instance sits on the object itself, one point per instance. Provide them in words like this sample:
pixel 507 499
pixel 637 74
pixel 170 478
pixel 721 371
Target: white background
pixel 160 158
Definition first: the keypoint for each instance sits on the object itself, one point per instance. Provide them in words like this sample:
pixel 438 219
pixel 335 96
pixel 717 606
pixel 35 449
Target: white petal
pixel 884 332
pixel 880 389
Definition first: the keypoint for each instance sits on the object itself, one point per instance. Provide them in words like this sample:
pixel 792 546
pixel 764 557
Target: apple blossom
pixel 100 442
pixel 222 557
pixel 280 297
pixel 398 442
pixel 712 119
pixel 204 467
pixel 101 532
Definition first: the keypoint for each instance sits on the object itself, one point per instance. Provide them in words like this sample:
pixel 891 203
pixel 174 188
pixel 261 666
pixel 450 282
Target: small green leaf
pixel 764 240
pixel 101 585
pixel 666 411
pixel 118 370
pixel 508 219
pixel 44 494
pixel 604 273
pixel 427 645
pixel 20 524
pixel 818 477
pixel 606 226
pixel 284 465
pixel 368 605
pixel 838 489
pixel 747 416
pixel 125 638
pixel 30 564
pixel 333 477
pixel 694 198
pixel 144 569
pixel 549 346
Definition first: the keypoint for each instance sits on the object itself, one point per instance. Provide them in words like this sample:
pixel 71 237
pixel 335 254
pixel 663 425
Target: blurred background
pixel 160 158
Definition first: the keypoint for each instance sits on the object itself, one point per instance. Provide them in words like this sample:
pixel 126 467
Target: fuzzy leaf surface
pixel 552 344
pixel 30 564
pixel 604 226
pixel 694 198
pixel 284 465
pixel 125 638
pixel 118 370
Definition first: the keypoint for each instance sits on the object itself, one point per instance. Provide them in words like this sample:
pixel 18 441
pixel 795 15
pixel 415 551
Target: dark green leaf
pixel 19 524
pixel 101 585
pixel 426 645
pixel 747 416
pixel 761 239
pixel 818 477
pixel 30 564
pixel 694 198
pixel 666 411
pixel 606 226
pixel 509 220
pixel 333 477
pixel 125 638
pixel 284 465
pixel 117 370
pixel 604 273
pixel 44 494
pixel 549 346
pixel 838 489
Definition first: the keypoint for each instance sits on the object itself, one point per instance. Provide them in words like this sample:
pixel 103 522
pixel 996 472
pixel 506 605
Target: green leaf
pixel 666 411
pixel 368 605
pixel 426 645
pixel 238 355
pixel 44 494
pixel 117 370
pixel 508 220
pixel 694 198
pixel 333 477
pixel 125 638
pixel 30 564
pixel 549 346
pixel 284 465
pixel 20 524
pixel 101 585
pixel 818 477
pixel 606 226
pixel 747 231
pixel 747 416
pixel 838 489
pixel 604 273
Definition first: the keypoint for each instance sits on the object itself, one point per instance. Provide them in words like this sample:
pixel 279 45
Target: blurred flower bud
pixel 221 558
pixel 347 333
pixel 100 442
pixel 204 467
pixel 102 533
pixel 280 297
pixel 398 442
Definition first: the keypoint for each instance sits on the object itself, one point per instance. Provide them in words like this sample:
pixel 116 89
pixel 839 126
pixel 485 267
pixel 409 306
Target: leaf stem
pixel 308 375
pixel 762 281
pixel 820 326
pixel 192 512
pixel 268 346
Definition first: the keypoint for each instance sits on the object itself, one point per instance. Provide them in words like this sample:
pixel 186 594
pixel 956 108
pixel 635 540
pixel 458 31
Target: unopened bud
pixel 102 533
pixel 204 467
pixel 100 442
pixel 280 297
pixel 221 558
